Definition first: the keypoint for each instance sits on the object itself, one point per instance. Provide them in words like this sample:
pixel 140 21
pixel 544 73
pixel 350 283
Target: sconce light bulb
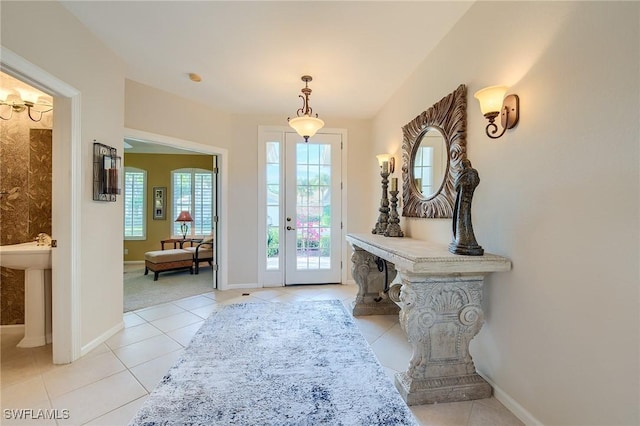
pixel 28 96
pixel 382 158
pixel 490 99
pixel 4 95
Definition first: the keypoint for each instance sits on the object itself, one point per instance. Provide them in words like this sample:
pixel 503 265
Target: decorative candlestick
pixel 383 218
pixel 393 228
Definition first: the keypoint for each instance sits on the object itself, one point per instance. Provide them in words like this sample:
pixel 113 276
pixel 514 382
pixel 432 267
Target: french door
pixel 303 210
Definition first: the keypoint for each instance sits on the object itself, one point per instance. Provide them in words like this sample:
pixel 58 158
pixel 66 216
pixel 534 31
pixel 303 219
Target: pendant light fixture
pixel 305 124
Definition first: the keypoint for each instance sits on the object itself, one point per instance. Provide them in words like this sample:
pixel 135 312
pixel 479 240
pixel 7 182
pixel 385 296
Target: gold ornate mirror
pixel 433 147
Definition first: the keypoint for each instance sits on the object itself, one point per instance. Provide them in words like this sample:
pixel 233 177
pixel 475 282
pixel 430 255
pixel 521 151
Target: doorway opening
pixel 175 156
pixel 25 202
pixel 161 182
pixel 66 206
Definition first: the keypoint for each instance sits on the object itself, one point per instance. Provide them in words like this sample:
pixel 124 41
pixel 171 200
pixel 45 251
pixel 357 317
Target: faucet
pixel 43 239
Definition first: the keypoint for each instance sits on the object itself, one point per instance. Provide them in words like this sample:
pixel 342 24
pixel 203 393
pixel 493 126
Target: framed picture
pixel 159 203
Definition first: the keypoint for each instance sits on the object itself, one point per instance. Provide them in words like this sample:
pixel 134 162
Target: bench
pixel 167 260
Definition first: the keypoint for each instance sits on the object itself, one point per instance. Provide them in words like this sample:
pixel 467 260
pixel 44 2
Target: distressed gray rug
pixel 276 364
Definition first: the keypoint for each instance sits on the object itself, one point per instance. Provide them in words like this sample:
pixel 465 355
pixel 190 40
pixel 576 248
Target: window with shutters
pixel 135 217
pixel 192 190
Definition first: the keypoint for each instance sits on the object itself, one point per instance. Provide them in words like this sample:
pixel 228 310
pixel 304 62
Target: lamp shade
pixel 28 96
pixel 491 98
pixel 4 94
pixel 382 158
pixel 306 126
pixel 184 216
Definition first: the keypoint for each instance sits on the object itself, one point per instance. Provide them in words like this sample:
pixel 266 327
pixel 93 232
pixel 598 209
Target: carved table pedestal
pixel 440 302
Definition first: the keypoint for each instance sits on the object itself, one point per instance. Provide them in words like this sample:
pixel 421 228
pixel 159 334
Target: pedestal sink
pixel 35 261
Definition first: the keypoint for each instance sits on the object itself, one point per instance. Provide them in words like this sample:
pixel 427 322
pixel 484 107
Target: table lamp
pixel 184 217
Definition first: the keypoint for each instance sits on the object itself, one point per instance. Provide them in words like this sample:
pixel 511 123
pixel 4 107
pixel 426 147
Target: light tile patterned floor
pixel 106 386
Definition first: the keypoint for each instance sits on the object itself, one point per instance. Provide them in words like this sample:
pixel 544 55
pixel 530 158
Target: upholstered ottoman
pixel 167 260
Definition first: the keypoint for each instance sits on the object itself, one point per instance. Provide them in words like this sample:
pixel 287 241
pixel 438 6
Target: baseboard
pixel 512 405
pixel 10 326
pixel 101 339
pixel 274 285
pixel 134 262
pixel 240 286
pixel 254 285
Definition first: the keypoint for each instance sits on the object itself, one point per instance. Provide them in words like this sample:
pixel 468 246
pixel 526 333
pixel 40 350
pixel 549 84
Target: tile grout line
pixel 128 369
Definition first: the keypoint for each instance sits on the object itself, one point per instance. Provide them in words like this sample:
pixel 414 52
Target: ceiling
pixel 251 55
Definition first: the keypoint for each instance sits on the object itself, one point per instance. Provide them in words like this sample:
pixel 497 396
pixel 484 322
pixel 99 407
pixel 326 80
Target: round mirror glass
pixel 429 163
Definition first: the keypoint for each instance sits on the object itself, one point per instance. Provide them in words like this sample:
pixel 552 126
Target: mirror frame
pixel 449 117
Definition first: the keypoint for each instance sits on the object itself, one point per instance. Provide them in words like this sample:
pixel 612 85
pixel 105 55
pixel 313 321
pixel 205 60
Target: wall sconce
pixel 34 104
pixel 305 124
pixel 184 217
pixel 389 159
pixel 493 103
pixel 106 172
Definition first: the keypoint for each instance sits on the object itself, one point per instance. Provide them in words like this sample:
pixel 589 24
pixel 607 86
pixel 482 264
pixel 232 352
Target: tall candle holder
pixel 393 228
pixel 381 225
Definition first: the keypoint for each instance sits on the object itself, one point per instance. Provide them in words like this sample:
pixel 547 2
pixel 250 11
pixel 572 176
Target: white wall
pixel 46 35
pixel 559 196
pixel 155 111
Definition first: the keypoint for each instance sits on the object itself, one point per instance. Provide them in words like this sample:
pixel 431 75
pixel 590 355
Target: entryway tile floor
pixel 108 385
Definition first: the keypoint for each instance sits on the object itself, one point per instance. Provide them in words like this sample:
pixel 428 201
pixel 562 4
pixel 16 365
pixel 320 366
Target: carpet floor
pixel 140 291
pixel 276 364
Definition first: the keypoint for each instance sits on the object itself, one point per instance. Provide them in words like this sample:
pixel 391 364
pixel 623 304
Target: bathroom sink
pixel 35 261
pixel 25 256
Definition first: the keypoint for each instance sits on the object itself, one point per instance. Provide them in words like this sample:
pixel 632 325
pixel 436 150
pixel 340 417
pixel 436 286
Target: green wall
pixel 158 168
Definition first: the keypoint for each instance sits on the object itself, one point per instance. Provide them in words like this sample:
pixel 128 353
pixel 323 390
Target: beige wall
pixel 558 196
pixel 158 168
pixel 155 111
pixel 57 43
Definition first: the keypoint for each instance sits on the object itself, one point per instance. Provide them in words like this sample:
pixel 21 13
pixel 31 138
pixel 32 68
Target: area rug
pixel 140 291
pixel 279 364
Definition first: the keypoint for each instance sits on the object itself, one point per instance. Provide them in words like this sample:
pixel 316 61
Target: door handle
pixel 289 228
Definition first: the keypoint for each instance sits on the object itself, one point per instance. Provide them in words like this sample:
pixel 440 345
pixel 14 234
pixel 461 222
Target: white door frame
pixel 66 203
pixel 223 162
pixel 279 131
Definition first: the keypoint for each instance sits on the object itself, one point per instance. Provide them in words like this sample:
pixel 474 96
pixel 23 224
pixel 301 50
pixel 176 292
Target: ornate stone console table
pixel 440 310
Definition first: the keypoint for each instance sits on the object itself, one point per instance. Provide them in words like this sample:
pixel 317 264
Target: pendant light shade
pixel 305 124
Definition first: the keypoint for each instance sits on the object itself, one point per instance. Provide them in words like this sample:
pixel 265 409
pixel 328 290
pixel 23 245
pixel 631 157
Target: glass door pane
pixel 273 205
pixel 313 206
pixel 313 236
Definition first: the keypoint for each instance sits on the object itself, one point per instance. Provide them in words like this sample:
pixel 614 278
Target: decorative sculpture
pixel 393 227
pixel 383 219
pixel 464 241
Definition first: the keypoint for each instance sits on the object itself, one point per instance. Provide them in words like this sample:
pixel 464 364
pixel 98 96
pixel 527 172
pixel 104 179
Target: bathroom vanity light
pixel 184 217
pixel 34 104
pixel 493 103
pixel 305 124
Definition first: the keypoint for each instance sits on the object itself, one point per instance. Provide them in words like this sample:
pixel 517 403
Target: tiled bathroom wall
pixel 25 202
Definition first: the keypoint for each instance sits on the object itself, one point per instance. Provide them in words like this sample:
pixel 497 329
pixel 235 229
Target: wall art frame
pixel 159 203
